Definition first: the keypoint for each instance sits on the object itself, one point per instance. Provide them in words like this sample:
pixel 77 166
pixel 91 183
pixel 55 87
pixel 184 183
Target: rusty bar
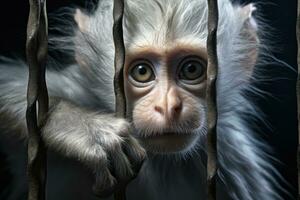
pixel 120 101
pixel 298 96
pixel 212 72
pixel 118 13
pixel 36 52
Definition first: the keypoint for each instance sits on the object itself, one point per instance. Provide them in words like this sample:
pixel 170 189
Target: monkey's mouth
pixel 168 142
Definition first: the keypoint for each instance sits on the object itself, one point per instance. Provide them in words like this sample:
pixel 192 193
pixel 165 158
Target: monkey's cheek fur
pixel 169 143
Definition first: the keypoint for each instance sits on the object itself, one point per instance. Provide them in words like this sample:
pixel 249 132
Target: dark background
pixel 279 107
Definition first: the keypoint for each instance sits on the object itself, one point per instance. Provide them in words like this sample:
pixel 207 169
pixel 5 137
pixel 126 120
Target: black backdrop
pixel 280 108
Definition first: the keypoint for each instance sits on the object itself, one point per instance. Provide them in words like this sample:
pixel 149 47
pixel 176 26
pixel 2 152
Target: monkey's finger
pixel 105 184
pixel 135 153
pixel 120 165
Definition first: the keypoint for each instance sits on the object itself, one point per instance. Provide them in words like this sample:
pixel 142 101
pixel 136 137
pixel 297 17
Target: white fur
pixel 245 168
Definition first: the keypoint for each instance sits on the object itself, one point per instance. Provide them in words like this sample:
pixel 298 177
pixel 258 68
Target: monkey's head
pixel 166 65
pixel 165 90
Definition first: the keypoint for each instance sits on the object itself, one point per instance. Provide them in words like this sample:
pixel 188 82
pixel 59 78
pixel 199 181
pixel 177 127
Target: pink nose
pixel 170 112
pixel 170 106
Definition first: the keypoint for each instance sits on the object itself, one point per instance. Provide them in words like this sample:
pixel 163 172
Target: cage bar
pixel 298 96
pixel 120 101
pixel 211 99
pixel 37 96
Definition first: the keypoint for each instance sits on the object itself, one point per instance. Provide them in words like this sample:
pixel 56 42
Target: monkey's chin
pixel 169 143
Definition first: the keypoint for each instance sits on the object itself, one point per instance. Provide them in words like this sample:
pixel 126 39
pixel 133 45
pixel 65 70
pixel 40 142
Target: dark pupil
pixel 142 70
pixel 191 68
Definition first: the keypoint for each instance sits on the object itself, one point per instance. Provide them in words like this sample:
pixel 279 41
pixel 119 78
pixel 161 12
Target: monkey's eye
pixel 192 70
pixel 142 72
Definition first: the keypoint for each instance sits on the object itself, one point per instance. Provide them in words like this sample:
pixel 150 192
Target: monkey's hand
pixel 123 154
pixel 101 141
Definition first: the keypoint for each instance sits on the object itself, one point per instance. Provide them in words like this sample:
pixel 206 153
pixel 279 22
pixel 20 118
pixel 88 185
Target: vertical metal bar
pixel 298 96
pixel 118 13
pixel 212 72
pixel 36 51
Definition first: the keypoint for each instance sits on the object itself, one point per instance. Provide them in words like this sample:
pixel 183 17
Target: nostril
pixel 177 109
pixel 159 109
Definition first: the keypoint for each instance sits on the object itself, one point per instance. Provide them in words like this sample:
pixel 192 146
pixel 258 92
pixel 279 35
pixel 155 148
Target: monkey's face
pixel 165 92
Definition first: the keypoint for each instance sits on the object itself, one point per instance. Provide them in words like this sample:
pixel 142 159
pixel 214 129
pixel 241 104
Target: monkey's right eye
pixel 142 72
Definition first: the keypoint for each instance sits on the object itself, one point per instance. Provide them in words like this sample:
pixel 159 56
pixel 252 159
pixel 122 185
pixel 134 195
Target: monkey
pixel 162 140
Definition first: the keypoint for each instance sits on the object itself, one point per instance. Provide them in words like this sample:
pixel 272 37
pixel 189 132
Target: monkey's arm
pixel 98 140
pixel 101 141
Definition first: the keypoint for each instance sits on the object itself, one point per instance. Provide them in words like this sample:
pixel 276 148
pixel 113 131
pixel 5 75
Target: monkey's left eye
pixel 142 72
pixel 192 70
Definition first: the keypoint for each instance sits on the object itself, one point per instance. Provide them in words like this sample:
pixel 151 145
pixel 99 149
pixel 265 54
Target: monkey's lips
pixel 169 142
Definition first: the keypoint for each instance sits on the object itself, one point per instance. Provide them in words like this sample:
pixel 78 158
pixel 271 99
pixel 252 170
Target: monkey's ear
pixel 249 34
pixel 82 20
pixel 246 13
